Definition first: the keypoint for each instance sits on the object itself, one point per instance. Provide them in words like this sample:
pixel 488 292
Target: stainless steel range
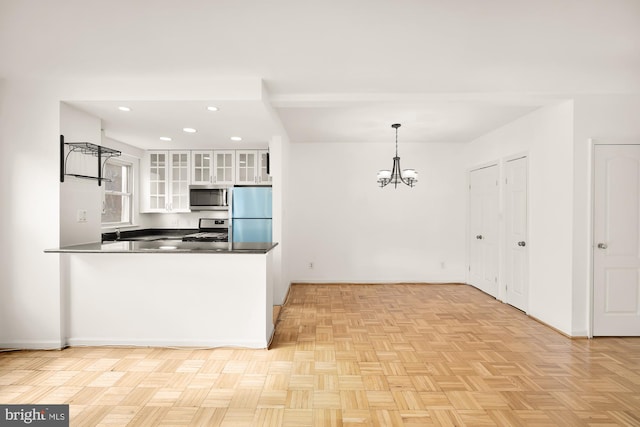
pixel 210 230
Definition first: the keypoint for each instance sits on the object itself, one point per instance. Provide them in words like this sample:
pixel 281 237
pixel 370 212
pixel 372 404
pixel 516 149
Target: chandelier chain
pixel 396 142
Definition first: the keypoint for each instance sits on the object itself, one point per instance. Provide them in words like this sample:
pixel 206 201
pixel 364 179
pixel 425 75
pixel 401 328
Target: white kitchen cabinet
pixel 251 167
pixel 223 165
pixel 202 167
pixel 167 181
pixel 263 167
pixel 212 167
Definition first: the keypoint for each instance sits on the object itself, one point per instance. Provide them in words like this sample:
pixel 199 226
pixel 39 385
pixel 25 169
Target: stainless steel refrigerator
pixel 251 214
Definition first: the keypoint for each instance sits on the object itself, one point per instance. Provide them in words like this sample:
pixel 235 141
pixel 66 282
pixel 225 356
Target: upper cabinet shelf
pixel 89 149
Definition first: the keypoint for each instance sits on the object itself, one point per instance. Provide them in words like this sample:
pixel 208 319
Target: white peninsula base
pixel 168 299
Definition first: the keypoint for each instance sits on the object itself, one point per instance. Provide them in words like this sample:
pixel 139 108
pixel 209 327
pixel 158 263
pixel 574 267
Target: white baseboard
pixel 115 342
pixel 375 282
pixel 580 333
pixel 31 345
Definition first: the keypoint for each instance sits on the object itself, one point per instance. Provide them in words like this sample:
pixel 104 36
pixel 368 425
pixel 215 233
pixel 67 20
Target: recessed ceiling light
pixel 123 108
pixel 165 138
pixel 189 130
pixel 212 108
pixel 236 138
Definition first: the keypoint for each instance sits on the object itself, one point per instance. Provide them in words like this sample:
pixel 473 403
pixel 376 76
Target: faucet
pixel 117 234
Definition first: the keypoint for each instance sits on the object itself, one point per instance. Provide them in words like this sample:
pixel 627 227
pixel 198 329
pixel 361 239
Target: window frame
pixel 130 167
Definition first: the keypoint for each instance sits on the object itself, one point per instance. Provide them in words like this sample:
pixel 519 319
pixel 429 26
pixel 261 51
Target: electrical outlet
pixel 310 265
pixel 442 265
pixel 81 215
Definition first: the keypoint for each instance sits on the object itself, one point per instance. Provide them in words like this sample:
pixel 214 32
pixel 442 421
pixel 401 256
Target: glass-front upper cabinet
pixel 263 167
pixel 167 186
pixel 179 179
pixel 251 167
pixel 246 167
pixel 202 164
pixel 212 167
pixel 223 162
pixel 157 195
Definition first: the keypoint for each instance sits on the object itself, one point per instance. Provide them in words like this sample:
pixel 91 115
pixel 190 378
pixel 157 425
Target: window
pixel 117 205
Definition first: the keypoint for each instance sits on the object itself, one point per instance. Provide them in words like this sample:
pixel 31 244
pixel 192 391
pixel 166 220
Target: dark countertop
pixel 167 246
pixel 149 234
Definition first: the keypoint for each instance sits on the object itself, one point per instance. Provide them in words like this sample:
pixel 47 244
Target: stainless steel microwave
pixel 209 197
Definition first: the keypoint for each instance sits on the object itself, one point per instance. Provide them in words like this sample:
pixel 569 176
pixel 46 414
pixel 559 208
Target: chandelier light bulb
pixel 386 174
pixel 410 173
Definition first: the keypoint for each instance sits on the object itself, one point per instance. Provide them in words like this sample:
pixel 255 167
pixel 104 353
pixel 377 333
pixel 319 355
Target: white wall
pixel 279 153
pixel 607 119
pixel 354 231
pixel 29 163
pixel 5 187
pixel 77 193
pixel 279 159
pixel 546 135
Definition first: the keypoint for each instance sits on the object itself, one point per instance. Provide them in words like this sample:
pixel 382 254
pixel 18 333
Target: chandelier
pixel 396 176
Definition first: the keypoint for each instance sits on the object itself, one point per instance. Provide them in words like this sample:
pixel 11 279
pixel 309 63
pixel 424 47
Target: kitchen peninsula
pixel 168 293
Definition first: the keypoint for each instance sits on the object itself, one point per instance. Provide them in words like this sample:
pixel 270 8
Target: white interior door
pixel 517 249
pixel 616 234
pixel 483 227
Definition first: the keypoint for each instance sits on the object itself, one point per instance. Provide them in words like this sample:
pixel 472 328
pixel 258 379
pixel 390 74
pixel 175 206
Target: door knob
pixel 602 246
pixel 522 243
pixel 479 237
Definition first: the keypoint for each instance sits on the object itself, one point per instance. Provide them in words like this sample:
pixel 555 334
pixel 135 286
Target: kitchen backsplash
pixel 178 220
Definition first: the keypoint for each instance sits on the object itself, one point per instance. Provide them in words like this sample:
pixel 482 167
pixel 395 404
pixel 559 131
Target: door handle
pixel 602 246
pixel 479 237
pixel 522 243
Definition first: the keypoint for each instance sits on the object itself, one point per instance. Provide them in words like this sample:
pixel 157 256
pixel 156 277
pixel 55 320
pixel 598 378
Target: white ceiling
pixel 149 120
pixel 369 57
pixel 426 120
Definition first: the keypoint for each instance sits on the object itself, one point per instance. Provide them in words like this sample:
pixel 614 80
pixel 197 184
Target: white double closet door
pixel 616 240
pixel 486 246
pixel 483 229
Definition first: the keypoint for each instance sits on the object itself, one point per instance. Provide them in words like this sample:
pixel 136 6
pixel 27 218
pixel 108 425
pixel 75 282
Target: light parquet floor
pixel 351 355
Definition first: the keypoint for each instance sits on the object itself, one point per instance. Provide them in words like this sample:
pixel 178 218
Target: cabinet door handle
pixel 522 243
pixel 602 246
pixel 479 237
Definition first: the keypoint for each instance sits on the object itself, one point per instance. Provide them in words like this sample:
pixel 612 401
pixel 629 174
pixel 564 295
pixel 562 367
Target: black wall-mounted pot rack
pixel 88 149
